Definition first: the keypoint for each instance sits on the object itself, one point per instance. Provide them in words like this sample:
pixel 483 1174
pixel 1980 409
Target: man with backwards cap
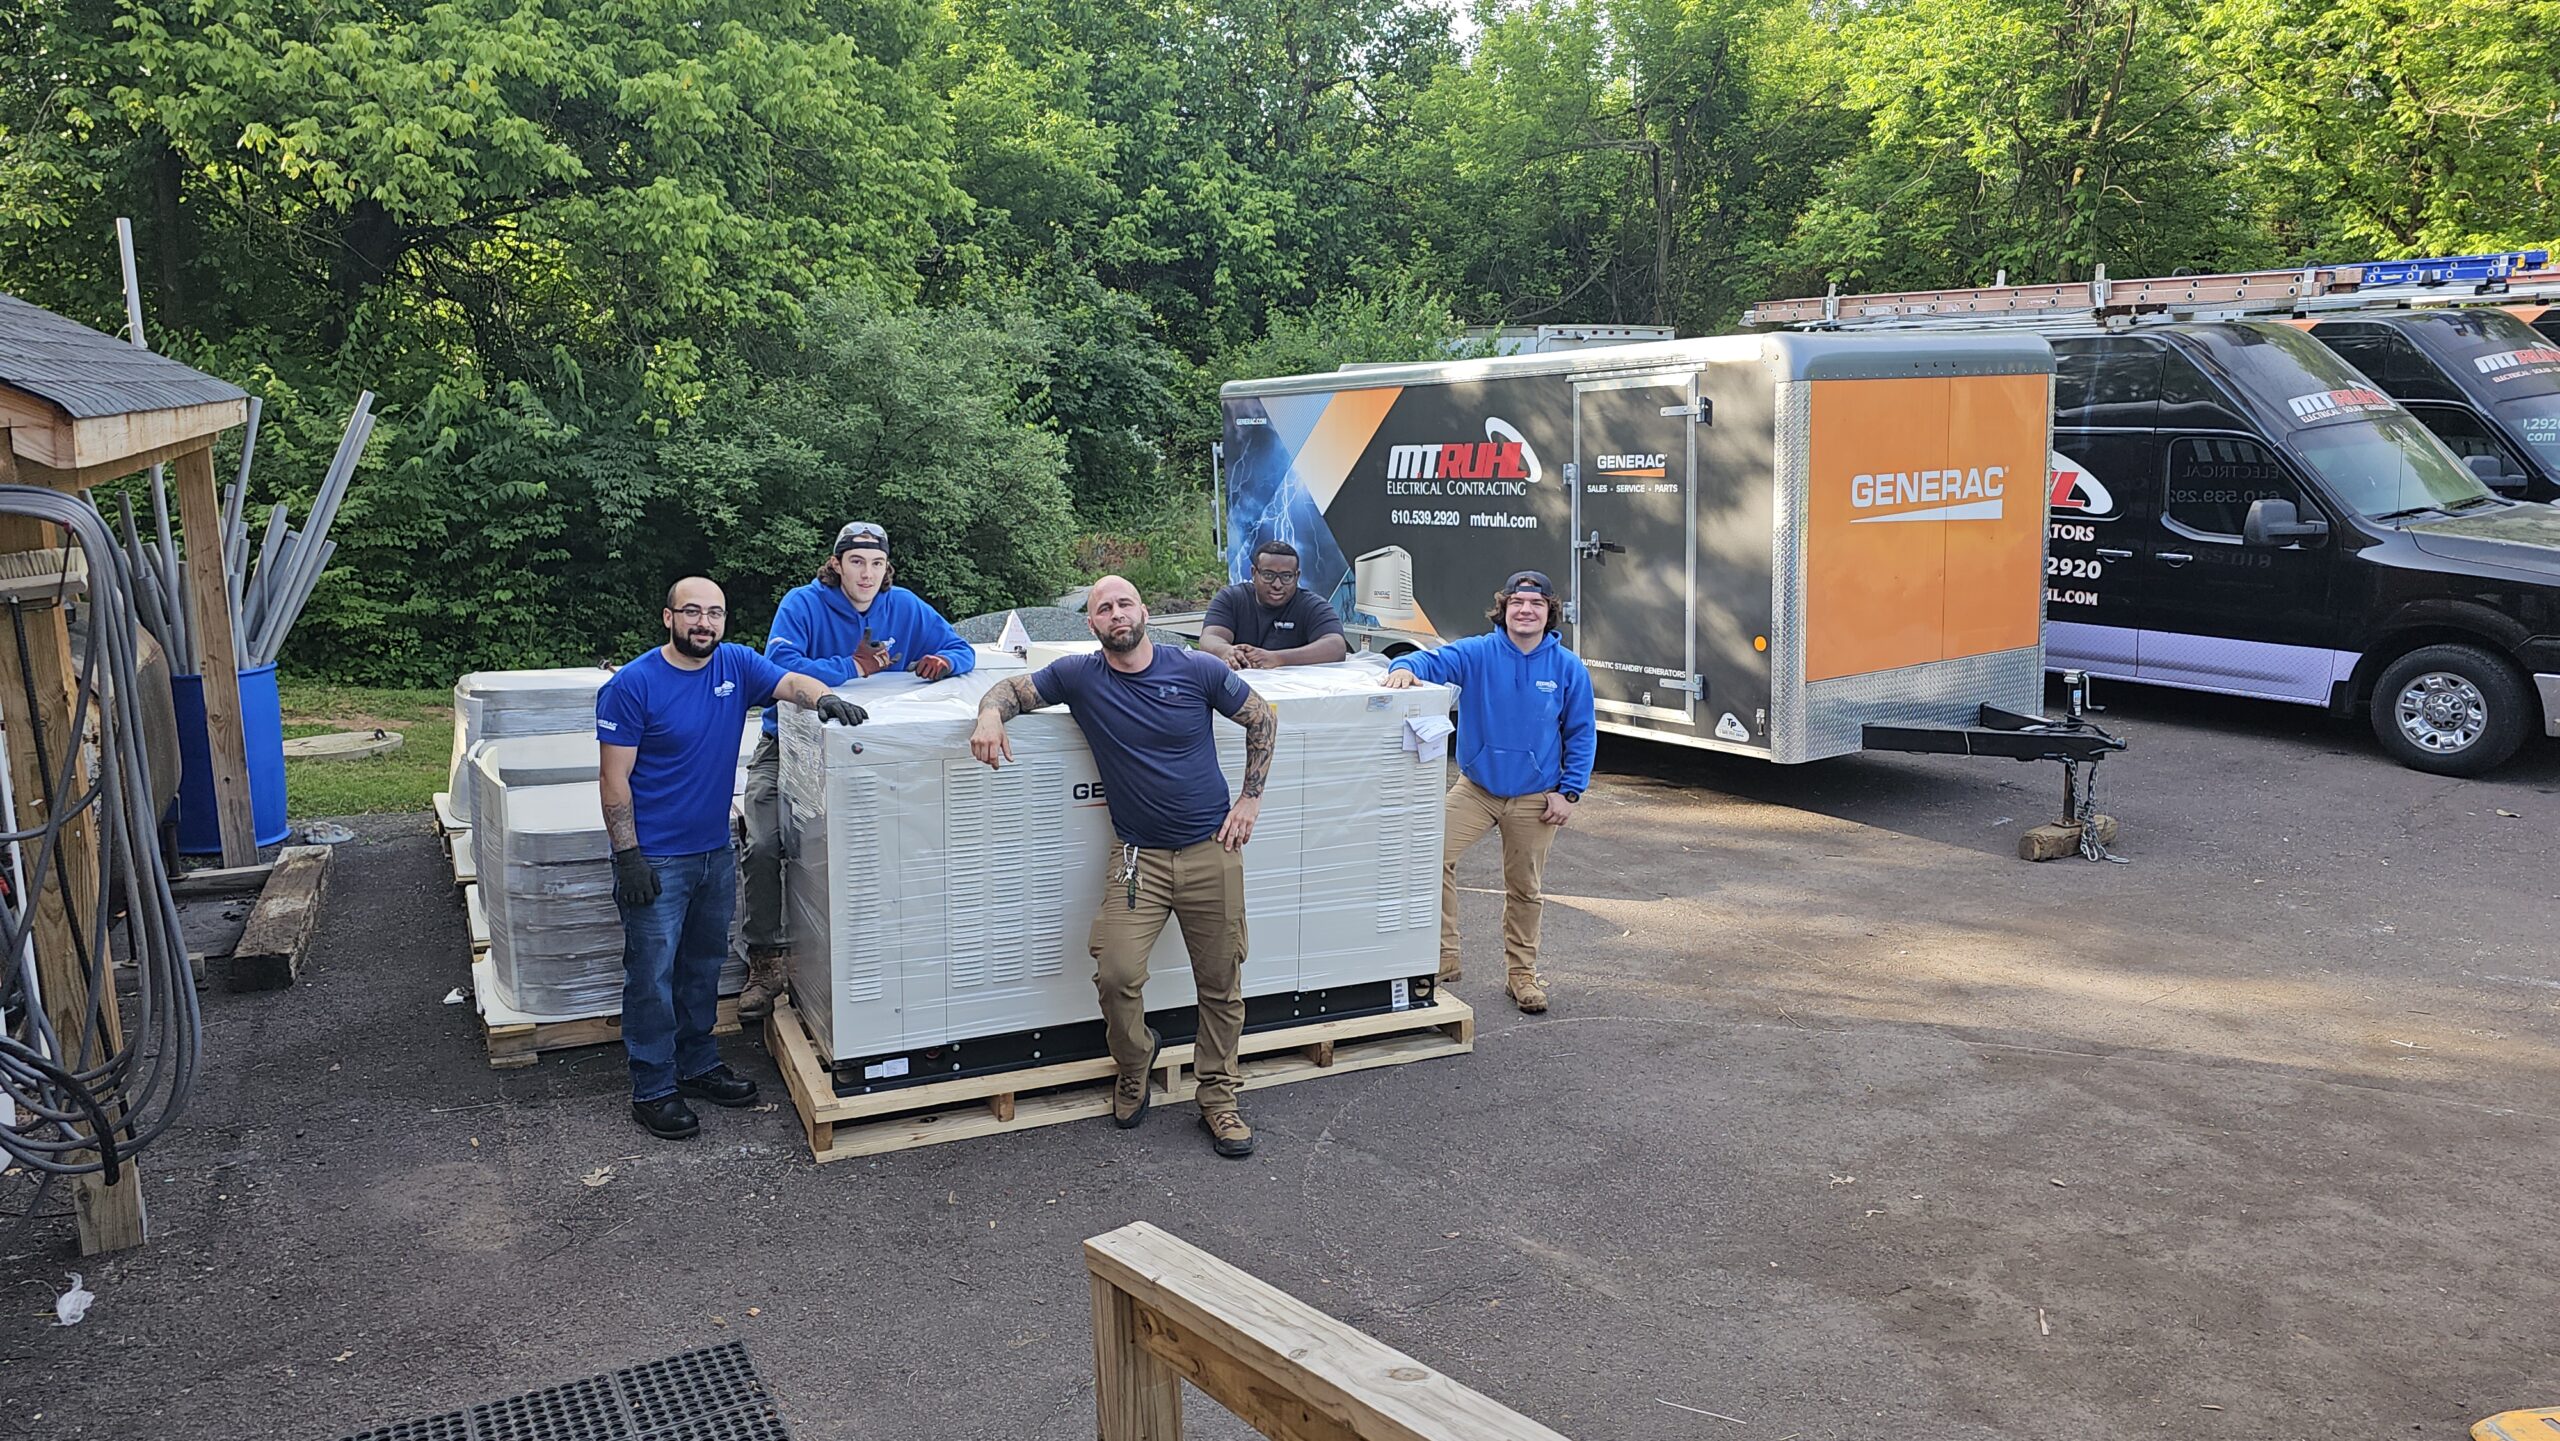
pixel 667 745
pixel 1526 735
pixel 847 624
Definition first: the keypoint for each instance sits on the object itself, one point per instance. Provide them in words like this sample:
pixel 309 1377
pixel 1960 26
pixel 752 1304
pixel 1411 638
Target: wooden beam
pixel 269 955
pixel 82 479
pixel 1278 1363
pixel 200 511
pixel 110 1217
pixel 39 430
pixel 102 447
pixel 1136 1396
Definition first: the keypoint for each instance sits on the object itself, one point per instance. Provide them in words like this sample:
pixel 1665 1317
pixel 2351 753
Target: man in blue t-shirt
pixel 667 736
pixel 849 624
pixel 1526 737
pixel 1271 620
pixel 1144 710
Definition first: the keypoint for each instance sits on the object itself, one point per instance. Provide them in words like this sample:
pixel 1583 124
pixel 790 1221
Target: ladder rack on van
pixel 2465 279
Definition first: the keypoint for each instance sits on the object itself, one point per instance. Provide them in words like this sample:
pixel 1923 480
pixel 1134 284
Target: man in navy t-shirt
pixel 1271 620
pixel 1144 710
pixel 667 735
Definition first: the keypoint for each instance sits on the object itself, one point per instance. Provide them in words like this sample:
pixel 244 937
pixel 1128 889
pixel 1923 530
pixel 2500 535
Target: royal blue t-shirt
pixel 1152 739
pixel 685 724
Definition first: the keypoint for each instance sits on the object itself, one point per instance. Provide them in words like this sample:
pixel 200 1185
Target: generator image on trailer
pixel 940 910
pixel 1788 546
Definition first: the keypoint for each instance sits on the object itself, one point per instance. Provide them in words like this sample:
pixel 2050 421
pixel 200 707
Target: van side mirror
pixel 2277 524
pixel 2492 472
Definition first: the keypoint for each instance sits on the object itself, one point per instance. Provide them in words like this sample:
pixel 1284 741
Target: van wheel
pixel 2453 710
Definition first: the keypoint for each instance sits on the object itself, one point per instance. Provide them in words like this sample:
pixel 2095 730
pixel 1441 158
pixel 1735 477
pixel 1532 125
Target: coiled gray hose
pixel 84 1113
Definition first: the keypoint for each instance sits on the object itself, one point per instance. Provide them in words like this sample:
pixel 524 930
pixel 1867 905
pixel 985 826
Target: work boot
pixel 1449 970
pixel 766 983
pixel 1229 1136
pixel 720 1086
pixel 1136 1089
pixel 668 1118
pixel 1529 993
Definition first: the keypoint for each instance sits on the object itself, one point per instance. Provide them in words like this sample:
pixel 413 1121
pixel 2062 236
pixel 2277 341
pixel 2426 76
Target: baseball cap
pixel 861 535
pixel 1532 582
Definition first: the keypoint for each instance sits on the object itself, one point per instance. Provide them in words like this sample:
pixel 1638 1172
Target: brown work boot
pixel 1449 971
pixel 767 981
pixel 1229 1136
pixel 1529 993
pixel 1136 1090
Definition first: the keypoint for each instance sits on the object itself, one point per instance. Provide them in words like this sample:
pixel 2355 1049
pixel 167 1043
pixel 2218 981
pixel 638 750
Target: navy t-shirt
pixel 1307 617
pixel 1152 739
pixel 685 724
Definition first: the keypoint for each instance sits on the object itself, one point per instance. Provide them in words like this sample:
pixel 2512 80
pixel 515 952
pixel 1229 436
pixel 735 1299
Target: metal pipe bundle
pixel 264 598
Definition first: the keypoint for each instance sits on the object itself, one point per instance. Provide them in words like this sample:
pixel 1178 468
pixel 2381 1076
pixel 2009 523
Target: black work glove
pixel 634 885
pixel 843 712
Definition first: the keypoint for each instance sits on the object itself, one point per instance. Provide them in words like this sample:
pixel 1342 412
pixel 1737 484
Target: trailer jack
pixel 2073 741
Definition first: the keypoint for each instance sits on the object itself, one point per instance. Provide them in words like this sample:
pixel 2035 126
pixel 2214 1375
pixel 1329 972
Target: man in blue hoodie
pixel 1526 735
pixel 848 624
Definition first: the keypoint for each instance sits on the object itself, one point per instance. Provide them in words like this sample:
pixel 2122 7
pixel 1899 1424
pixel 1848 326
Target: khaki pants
pixel 1472 811
pixel 1202 886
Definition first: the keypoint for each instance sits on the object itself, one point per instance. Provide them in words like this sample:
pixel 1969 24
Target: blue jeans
pixel 672 951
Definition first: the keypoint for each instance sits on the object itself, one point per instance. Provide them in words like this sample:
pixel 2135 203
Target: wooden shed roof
pixel 78 402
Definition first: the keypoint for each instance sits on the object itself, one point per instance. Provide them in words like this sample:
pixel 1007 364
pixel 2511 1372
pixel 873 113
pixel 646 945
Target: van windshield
pixel 2385 465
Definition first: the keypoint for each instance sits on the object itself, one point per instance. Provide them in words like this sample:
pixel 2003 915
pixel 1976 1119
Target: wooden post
pixel 1283 1367
pixel 110 1217
pixel 1136 1396
pixel 217 664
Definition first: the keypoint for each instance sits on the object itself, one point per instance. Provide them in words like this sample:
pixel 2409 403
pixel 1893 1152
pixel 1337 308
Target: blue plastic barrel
pixel 262 724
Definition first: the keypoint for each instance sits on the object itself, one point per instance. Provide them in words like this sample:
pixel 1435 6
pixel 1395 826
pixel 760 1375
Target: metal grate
pixel 707 1395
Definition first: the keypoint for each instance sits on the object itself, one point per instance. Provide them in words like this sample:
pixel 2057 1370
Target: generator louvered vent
pixel 707 1395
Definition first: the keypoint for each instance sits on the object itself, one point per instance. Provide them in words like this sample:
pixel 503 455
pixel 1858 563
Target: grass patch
pixel 405 780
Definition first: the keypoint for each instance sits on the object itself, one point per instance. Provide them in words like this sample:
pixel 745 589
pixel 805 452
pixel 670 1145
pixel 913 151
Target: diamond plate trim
pixel 1793 459
pixel 1940 693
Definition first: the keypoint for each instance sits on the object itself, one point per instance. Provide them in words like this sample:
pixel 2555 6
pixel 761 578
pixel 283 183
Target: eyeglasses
pixel 702 612
pixel 1274 576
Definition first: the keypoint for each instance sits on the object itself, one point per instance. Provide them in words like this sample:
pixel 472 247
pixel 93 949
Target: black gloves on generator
pixel 844 712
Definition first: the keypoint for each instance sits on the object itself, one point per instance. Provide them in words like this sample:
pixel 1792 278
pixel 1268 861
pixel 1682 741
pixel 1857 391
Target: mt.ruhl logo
pixel 1504 454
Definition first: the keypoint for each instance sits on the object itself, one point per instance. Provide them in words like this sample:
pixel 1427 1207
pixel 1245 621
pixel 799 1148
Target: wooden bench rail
pixel 1165 1312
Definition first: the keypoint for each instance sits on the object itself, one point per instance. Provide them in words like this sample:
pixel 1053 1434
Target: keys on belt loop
pixel 1129 864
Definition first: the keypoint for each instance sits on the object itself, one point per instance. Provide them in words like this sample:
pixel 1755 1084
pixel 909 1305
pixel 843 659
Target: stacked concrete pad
pixel 505 704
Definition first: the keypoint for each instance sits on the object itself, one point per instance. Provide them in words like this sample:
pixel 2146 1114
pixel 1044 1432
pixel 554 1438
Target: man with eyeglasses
pixel 849 624
pixel 667 736
pixel 1270 621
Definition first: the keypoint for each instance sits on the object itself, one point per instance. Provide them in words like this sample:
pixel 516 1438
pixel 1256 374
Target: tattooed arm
pixel 1011 697
pixel 613 785
pixel 1261 734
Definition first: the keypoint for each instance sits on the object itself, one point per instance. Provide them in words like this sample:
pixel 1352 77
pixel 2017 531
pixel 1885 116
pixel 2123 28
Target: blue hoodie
pixel 816 631
pixel 1524 721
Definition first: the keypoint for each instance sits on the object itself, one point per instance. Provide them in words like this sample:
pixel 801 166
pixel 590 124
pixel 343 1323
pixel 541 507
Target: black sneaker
pixel 720 1086
pixel 668 1118
pixel 1131 1096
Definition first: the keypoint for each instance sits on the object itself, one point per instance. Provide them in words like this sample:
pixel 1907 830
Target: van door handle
pixel 2171 557
pixel 2111 553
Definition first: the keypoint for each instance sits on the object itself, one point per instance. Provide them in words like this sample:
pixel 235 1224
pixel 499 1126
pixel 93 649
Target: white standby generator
pixel 940 910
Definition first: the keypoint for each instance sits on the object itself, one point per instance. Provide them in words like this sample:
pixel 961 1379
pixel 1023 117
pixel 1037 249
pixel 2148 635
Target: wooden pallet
pixel 516 1039
pixel 956 1110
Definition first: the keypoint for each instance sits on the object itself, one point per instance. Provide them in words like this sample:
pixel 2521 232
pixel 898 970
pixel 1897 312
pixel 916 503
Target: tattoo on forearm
pixel 1016 695
pixel 1261 734
pixel 621 826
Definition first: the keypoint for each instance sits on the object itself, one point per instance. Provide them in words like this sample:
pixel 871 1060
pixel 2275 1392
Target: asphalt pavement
pixel 1845 1123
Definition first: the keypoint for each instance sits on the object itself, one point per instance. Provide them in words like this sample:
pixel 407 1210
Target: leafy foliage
pixel 650 289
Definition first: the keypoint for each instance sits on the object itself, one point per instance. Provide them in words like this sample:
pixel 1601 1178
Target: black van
pixel 2236 509
pixel 2484 381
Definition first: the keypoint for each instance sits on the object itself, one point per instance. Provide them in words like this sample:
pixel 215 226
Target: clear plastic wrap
pixel 546 879
pixel 504 704
pixel 933 900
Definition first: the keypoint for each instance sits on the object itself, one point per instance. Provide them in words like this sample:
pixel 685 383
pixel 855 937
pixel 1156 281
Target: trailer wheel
pixel 2451 710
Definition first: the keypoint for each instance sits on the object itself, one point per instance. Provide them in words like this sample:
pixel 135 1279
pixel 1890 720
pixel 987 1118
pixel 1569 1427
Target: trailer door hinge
pixel 1572 473
pixel 1695 686
pixel 1572 613
pixel 1703 411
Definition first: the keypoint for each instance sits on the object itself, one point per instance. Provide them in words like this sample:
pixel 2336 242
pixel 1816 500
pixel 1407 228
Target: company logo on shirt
pixel 1504 454
pixel 606 724
pixel 2077 491
pixel 2333 404
pixel 1546 685
pixel 724 687
pixel 1951 493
